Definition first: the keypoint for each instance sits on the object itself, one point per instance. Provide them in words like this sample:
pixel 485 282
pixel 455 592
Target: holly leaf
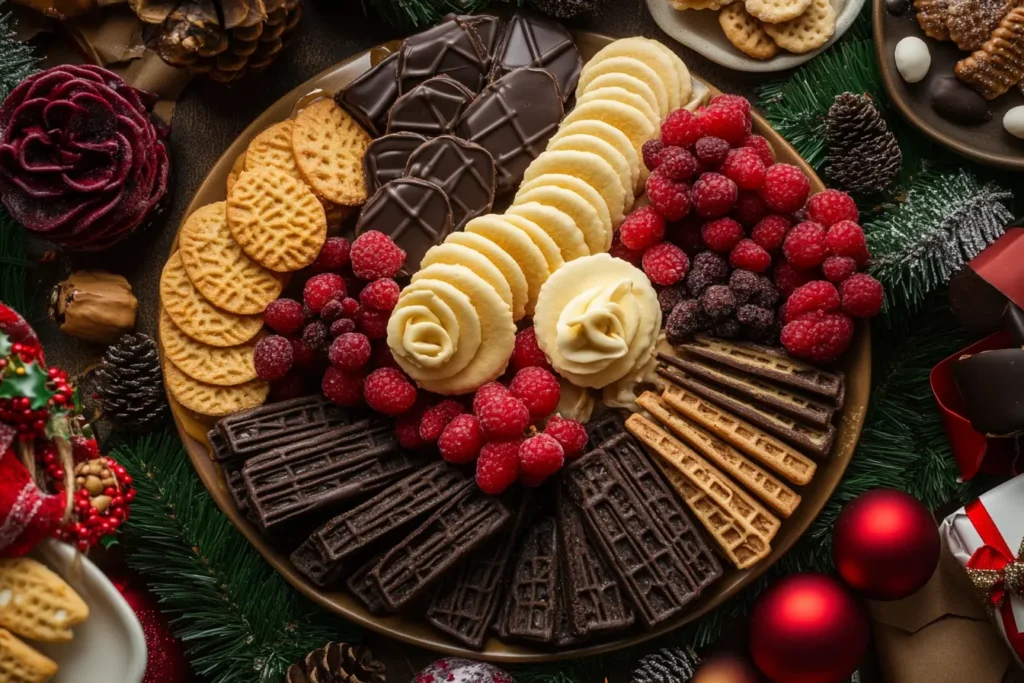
pixel 110 540
pixel 5 345
pixel 31 384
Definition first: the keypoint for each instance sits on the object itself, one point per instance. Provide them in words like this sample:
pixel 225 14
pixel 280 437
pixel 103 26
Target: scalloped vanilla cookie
pixel 776 11
pixel 807 32
pixel 746 32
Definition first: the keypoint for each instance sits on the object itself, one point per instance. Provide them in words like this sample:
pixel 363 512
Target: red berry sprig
pixel 102 501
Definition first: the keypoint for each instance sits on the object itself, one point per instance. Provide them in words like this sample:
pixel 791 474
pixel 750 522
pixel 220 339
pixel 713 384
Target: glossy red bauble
pixel 885 544
pixel 807 628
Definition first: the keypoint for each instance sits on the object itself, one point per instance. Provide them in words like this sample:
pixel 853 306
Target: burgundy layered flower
pixel 81 162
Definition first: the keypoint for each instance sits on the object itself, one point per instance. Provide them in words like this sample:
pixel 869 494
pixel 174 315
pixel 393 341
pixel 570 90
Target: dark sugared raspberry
pixel 677 164
pixel 292 385
pixel 724 121
pixel 350 307
pixel 744 167
pixel 830 207
pixel 785 188
pixel 680 129
pixel 322 288
pixel 714 195
pixel 788 278
pixel 770 232
pixel 749 208
pixel 308 314
pixel 818 337
pixel 503 417
pixel 741 103
pixel 380 295
pixel 374 324
pixel 727 328
pixel 846 238
pixel 570 434
pixel 375 255
pixel 334 255
pixel 838 268
pixel 332 310
pixel 527 352
pixel 315 336
pixel 652 153
pixel 804 246
pixel 381 356
pixel 538 390
pixel 817 295
pixel 665 263
pixel 349 351
pixel 304 356
pixel 685 234
pixel 769 294
pixel 389 391
pixel 711 151
pixel 749 255
pixel 686 320
pixel 755 321
pixel 721 235
pixel 461 440
pixel 669 297
pixel 669 198
pixel 497 467
pixel 437 418
pixel 745 285
pixel 343 388
pixel 342 326
pixel 540 456
pixel 284 316
pixel 273 357
pixel 862 296
pixel 621 251
pixel 718 302
pixel 708 268
pixel 643 228
pixel 762 147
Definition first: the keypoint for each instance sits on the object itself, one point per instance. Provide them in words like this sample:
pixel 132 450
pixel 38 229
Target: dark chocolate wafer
pixel 448 537
pixel 449 48
pixel 218 446
pixel 486 28
pixel 414 213
pixel 309 559
pixel 564 635
pixel 232 470
pixel 387 156
pixel 535 41
pixel 369 97
pixel 463 170
pixel 607 425
pixel 431 108
pixel 258 430
pixel 365 588
pixel 534 584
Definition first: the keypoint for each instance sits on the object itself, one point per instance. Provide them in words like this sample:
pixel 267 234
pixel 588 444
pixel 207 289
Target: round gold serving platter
pixel 856 363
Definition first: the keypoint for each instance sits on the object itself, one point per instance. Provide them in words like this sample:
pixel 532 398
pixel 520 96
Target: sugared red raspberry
pixel 389 391
pixel 350 351
pixel 669 198
pixel 322 288
pixel 669 297
pixel 461 440
pixel 862 296
pixel 818 295
pixel 711 151
pixel 642 228
pixel 770 231
pixel 785 188
pixel 292 385
pixel 489 392
pixel 714 195
pixel 284 316
pixel 665 263
pixel 708 269
pixel 830 207
pixel 744 167
pixel 304 357
pixel 497 468
pixel 540 456
pixel 374 324
pixel 685 234
pixel 721 235
pixel 381 356
pixel 838 268
pixel 754 320
pixel 621 251
pixel 652 153
pixel 527 352
pixel 686 320
pixel 350 307
pixel 818 337
pixel 846 238
pixel 762 147
pixel 380 295
pixel 332 310
pixel 788 278
pixel 570 435
pixel 503 417
pixel 538 390
pixel 727 328
pixel 749 255
pixel 343 388
pixel 744 285
pixel 718 302
pixel 315 336
pixel 342 326
pixel 680 129
pixel 804 246
pixel 677 164
pixel 407 426
pixel 375 255
pixel 273 357
pixel 437 418
pixel 749 208
pixel 736 101
pixel 724 121
pixel 334 255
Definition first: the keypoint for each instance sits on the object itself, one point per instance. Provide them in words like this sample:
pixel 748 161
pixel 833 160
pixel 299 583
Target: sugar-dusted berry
pixel 838 268
pixel 375 255
pixel 436 418
pixel 284 316
pixel 670 198
pixel 540 456
pixel 818 295
pixel 750 208
pixel 389 391
pixel 334 255
pixel 680 129
pixel 677 163
pixel 570 434
pixel 373 323
pixel 846 238
pixel 652 153
pixel 762 147
pixel 711 151
pixel 489 392
pixel 503 417
pixel 665 264
pixel 770 231
pixel 830 207
pixel 788 279
pixel 350 351
pixel 642 228
pixel 461 440
pixel 862 296
pixel 322 288
pixel 273 357
pixel 714 195
pixel 751 256
pixel 818 337
pixel 527 352
pixel 342 388
pixel 497 468
pixel 538 389
pixel 380 295
pixel 785 188
pixel 721 235
pixel 686 319
pixel 744 167
pixel 804 246
pixel 724 121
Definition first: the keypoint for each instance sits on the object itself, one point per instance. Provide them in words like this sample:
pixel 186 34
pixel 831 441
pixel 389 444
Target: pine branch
pixel 410 14
pixel 238 619
pixel 17 59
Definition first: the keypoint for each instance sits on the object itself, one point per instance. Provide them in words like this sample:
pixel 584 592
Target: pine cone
pixel 863 155
pixel 130 384
pixel 337 663
pixel 670 665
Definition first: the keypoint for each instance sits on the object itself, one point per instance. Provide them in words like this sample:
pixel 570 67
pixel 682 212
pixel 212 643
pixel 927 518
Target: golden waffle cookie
pixel 236 170
pixel 591 169
pixel 221 365
pixel 584 190
pixel 210 399
pixel 807 32
pixel 219 268
pixel 932 15
pixel 971 22
pixel 776 11
pixel 273 148
pixel 329 147
pixel 746 32
pixel 502 261
pixel 36 603
pixel 196 316
pixel 783 459
pixel 276 219
pixel 999 64
pixel 557 224
pixel 775 494
pixel 19 663
pixel 631 67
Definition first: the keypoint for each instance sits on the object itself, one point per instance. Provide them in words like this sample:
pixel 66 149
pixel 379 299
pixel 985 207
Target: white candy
pixel 913 59
pixel 1013 122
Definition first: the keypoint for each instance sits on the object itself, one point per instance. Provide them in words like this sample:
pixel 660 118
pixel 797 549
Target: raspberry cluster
pixel 731 235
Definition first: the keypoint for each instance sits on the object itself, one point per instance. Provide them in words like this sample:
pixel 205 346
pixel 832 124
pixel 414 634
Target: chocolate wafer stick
pixel 764 485
pixel 534 586
pixel 365 588
pixel 604 427
pixel 235 482
pixel 309 559
pixel 258 430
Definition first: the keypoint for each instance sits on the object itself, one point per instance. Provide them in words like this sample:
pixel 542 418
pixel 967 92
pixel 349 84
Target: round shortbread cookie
pixel 631 67
pixel 746 33
pixel 582 214
pixel 630 83
pixel 807 32
pixel 649 54
pixel 517 244
pixel 544 241
pixel 595 145
pixel 686 83
pixel 459 255
pixel 221 365
pixel 236 170
pixel 590 196
pixel 210 399
pixel 219 268
pixel 502 261
pixel 196 316
pixel 590 168
pixel 329 147
pixel 276 219
pixel 776 11
pixel 273 147
pixel 630 120
pixel 557 224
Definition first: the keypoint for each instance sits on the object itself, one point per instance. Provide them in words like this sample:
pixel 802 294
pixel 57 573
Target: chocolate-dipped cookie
pixel 413 212
pixel 387 157
pixel 463 170
pixel 431 108
pixel 530 40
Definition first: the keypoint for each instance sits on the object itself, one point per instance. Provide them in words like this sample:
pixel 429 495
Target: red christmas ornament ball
pixel 807 628
pixel 885 544
pixel 166 661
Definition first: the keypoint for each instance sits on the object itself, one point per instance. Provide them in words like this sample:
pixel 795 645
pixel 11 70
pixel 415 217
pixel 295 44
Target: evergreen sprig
pixel 17 59
pixel 413 14
pixel 238 619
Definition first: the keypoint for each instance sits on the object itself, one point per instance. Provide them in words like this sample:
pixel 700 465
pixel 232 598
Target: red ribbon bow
pixel 997 572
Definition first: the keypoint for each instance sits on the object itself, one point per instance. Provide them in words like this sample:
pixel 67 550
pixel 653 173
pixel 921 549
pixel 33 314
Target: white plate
pixel 699 30
pixel 110 645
